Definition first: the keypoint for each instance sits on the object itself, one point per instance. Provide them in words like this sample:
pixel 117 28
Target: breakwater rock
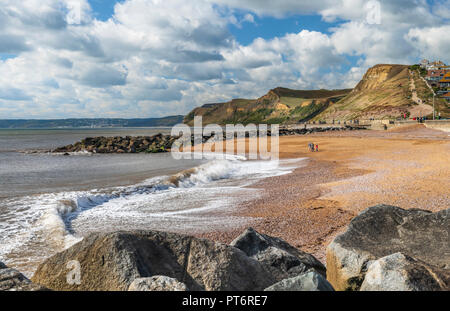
pixel 390 248
pixel 163 143
pixel 282 260
pixel 384 248
pixel 305 131
pixel 13 280
pixel 306 282
pixel 158 260
pixel 128 144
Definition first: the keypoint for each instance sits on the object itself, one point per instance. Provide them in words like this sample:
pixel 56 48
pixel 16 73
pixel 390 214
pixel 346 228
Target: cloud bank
pixel 154 58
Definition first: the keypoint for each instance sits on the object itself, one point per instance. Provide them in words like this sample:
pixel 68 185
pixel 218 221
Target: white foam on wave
pixel 49 223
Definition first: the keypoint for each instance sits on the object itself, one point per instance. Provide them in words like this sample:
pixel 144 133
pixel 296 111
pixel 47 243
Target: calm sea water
pixel 49 202
pixel 24 174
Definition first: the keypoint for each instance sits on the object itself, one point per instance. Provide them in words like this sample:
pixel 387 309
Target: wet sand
pixel 407 167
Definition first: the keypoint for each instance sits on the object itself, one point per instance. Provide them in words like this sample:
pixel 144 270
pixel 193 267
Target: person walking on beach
pixel 311 147
pixel 317 148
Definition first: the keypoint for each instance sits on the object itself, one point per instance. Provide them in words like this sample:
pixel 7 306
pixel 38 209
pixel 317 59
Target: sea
pixel 48 202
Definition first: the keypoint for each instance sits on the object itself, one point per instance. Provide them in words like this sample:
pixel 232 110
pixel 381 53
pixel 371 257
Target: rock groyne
pixel 163 143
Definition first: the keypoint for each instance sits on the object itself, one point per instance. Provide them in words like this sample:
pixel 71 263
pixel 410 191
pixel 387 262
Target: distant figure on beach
pixel 317 148
pixel 311 147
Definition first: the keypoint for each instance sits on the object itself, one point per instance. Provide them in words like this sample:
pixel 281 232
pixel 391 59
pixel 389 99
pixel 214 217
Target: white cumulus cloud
pixel 155 58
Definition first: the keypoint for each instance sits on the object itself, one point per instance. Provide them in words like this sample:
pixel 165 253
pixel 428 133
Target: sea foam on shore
pixel 195 199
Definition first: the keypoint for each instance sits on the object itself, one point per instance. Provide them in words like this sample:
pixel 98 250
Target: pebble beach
pixel 406 167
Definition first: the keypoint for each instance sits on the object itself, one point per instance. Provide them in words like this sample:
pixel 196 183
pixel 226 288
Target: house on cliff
pixel 434 76
pixel 446 97
pixel 445 81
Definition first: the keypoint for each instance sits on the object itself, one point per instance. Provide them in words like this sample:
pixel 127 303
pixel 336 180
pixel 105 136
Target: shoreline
pixel 301 218
pixel 311 205
pixel 353 171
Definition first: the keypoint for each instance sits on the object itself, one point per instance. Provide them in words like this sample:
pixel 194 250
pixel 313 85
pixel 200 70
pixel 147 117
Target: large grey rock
pixel 111 261
pixel 280 258
pixel 381 231
pixel 309 281
pixel 398 272
pixel 157 283
pixel 13 280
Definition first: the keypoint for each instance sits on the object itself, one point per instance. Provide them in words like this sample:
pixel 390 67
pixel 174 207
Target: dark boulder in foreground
pixel 398 272
pixel 112 261
pixel 421 236
pixel 280 258
pixel 13 280
pixel 309 281
pixel 158 283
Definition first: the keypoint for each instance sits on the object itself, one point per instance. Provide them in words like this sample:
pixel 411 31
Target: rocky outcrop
pixel 311 130
pixel 163 143
pixel 281 259
pixel 398 272
pixel 128 144
pixel 309 281
pixel 112 261
pixel 381 231
pixel 13 280
pixel 157 284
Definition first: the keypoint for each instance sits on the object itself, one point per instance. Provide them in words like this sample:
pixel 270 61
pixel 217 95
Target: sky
pixel 153 58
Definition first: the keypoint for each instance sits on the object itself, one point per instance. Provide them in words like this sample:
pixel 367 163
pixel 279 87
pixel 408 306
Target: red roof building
pixel 445 81
pixel 446 97
pixel 435 75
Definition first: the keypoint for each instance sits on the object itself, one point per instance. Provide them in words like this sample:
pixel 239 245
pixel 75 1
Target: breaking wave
pixel 49 223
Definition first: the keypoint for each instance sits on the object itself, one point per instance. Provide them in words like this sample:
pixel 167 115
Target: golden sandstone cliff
pixel 280 105
pixel 385 92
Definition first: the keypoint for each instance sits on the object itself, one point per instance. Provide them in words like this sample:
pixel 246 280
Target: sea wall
pixel 442 125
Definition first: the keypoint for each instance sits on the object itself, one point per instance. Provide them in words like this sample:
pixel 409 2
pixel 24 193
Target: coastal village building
pixel 436 65
pixel 446 97
pixel 434 76
pixel 445 81
pixel 438 76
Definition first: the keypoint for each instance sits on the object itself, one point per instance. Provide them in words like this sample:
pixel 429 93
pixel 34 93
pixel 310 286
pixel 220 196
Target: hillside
pixel 74 123
pixel 426 94
pixel 280 105
pixel 385 92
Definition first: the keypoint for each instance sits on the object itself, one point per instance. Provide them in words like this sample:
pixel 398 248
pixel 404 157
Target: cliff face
pixel 280 105
pixel 376 76
pixel 383 92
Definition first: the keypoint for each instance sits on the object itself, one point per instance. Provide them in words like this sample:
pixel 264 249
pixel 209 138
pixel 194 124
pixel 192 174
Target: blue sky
pixel 266 27
pixel 103 9
pixel 270 27
pixel 150 58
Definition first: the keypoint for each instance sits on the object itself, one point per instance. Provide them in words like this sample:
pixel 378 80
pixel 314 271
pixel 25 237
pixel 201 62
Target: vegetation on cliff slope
pixel 385 92
pixel 280 105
